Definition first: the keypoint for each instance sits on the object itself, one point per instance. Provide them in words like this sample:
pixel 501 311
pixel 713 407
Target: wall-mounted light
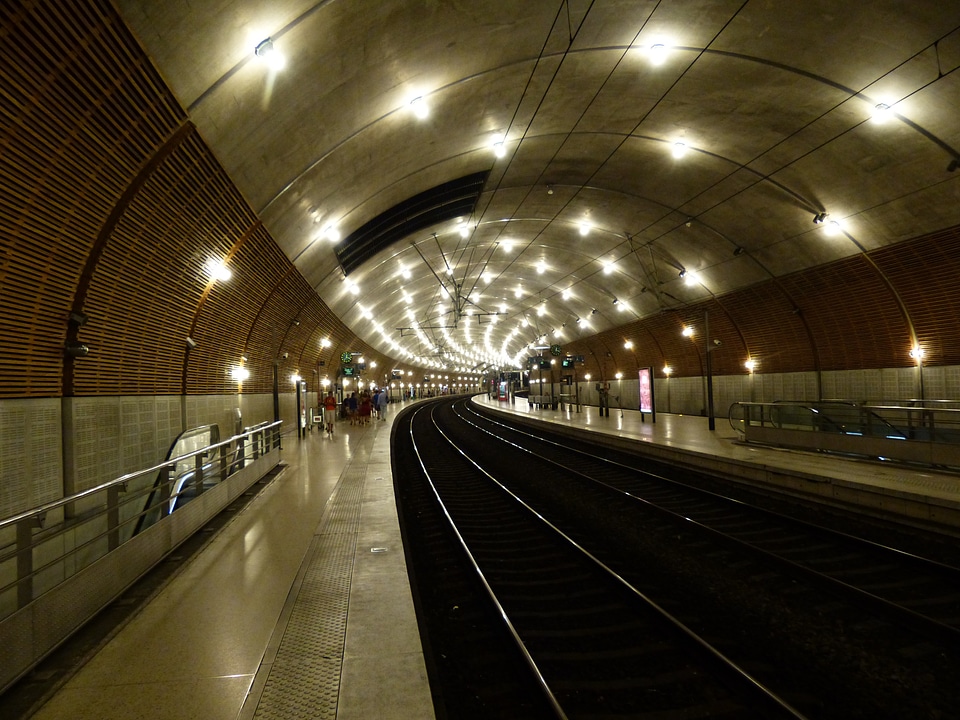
pixel 628 345
pixel 217 270
pixel 76 349
pixel 750 364
pixel 239 374
pixel 667 370
pixel 190 343
pixel 916 352
pixel 687 331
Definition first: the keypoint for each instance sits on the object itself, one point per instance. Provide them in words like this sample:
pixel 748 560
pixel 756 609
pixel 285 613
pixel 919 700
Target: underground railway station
pixel 312 309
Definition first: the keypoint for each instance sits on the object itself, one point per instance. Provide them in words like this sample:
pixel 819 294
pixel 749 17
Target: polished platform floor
pixel 300 607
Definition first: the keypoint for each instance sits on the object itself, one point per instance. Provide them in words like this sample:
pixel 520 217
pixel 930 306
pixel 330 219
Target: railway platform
pixel 924 495
pixel 299 607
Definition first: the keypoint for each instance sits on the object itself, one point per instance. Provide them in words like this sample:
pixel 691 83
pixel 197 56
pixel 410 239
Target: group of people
pixel 358 410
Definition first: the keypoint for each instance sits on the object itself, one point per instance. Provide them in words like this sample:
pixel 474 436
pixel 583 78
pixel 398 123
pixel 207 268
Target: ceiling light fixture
pixel 268 52
pixel 419 107
pixel 658 53
pixel 819 218
pixel 881 113
pixel 833 228
pixel 679 149
pixel 498 149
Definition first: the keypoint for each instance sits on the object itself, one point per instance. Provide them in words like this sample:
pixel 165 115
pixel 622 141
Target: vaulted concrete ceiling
pixel 775 103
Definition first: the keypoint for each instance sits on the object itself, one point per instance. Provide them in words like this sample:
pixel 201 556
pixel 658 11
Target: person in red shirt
pixel 329 411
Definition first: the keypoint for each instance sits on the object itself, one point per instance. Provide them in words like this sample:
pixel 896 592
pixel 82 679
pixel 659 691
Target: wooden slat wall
pixel 84 115
pixel 151 279
pixel 926 276
pixel 772 332
pixel 852 314
pixel 80 111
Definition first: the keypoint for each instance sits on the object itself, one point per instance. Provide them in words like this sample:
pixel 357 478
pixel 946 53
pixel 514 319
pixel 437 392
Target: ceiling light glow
pixel 268 53
pixel 217 270
pixel 419 107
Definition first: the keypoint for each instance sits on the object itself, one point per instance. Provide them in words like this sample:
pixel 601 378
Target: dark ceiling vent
pixel 453 199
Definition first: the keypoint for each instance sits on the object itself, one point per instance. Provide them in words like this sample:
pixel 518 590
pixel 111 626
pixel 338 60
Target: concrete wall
pixel 687 395
pixel 51 446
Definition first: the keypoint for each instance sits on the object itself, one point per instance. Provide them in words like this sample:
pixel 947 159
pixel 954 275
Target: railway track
pixel 909 589
pixel 735 606
pixel 593 645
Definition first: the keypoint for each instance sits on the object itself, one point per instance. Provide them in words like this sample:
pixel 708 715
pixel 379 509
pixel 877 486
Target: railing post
pixel 224 457
pixel 242 452
pixel 25 530
pixel 256 439
pixel 165 491
pixel 198 472
pixel 113 517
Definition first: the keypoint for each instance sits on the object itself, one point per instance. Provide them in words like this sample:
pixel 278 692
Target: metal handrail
pixel 108 521
pixel 55 504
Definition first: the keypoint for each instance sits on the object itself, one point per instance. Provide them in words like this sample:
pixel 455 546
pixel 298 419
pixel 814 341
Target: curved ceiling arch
pixel 773 102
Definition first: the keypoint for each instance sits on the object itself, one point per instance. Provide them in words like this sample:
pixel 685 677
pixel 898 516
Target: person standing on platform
pixel 363 412
pixel 352 408
pixel 382 401
pixel 375 403
pixel 329 411
pixel 604 389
